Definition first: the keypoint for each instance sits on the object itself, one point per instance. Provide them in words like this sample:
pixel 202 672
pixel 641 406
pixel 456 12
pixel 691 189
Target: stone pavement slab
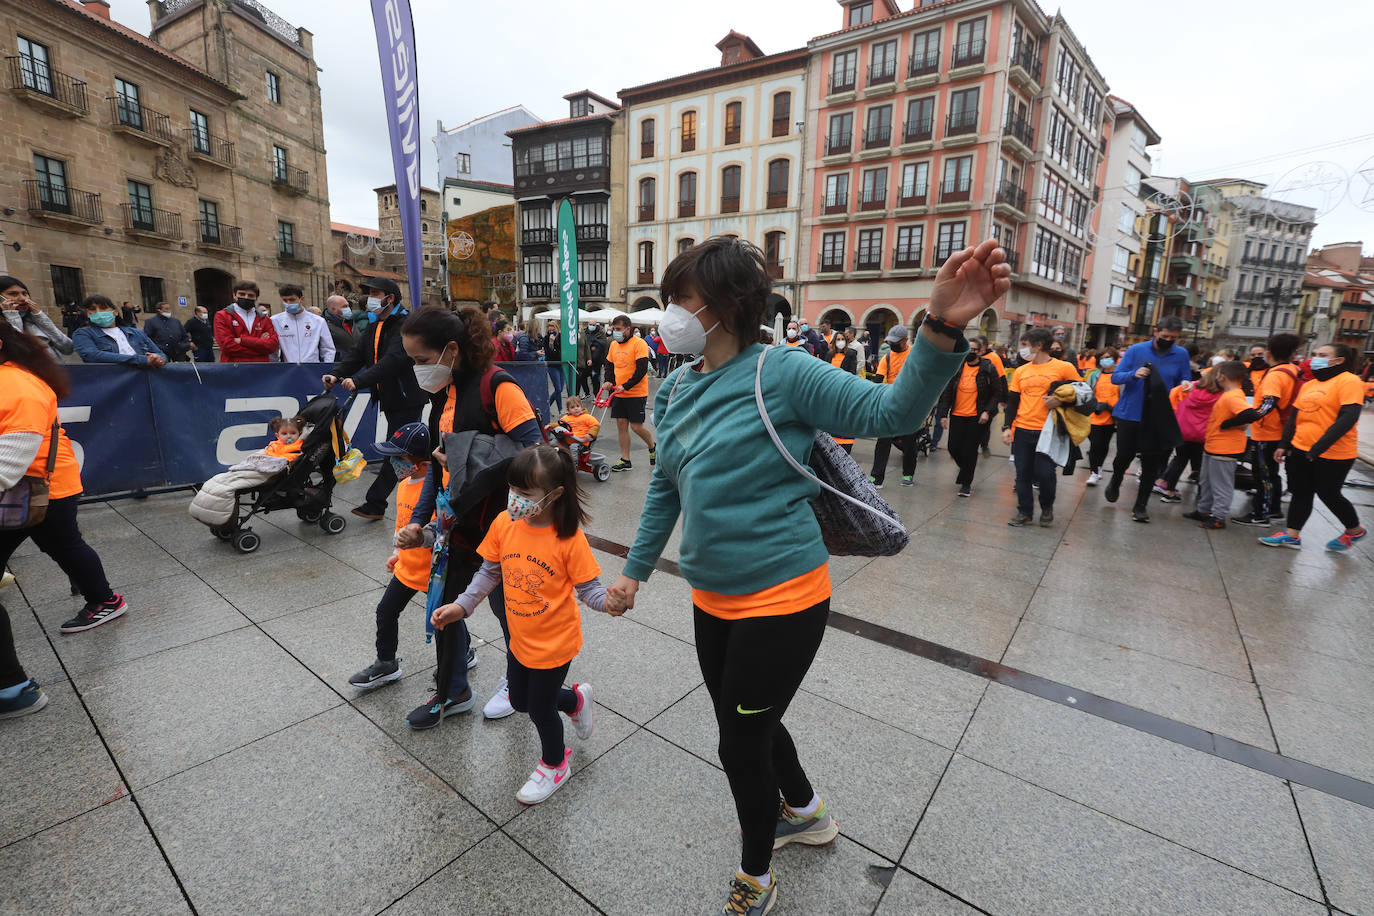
pixel 1342 837
pixel 908 894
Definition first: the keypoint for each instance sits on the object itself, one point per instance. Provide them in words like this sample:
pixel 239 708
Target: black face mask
pixel 1163 346
pixel 245 304
pixel 972 358
pixel 1329 372
pixel 1258 363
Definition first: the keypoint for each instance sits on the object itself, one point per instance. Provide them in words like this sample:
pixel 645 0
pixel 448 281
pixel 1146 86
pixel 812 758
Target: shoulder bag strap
pixel 52 451
pixel 787 456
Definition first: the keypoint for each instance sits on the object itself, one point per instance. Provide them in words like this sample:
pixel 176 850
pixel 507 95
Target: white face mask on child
pixel 521 507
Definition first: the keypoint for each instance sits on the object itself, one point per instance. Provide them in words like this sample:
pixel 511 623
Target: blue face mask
pixel 103 319
pixel 292 308
pixel 618 335
pixel 1106 362
pixel 1321 362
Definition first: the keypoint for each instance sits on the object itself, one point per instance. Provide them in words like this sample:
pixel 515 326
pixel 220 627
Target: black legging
pixel 965 434
pixel 59 537
pixel 883 448
pixel 394 601
pixel 11 672
pixel 1320 477
pixel 1099 440
pixel 540 692
pixel 1127 446
pixel 1186 454
pixel 752 668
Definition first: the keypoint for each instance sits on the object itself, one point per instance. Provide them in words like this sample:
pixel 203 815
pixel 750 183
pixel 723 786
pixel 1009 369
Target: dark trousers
pixel 59 537
pixel 937 429
pixel 452 642
pixel 540 693
pixel 1128 436
pixel 11 672
pixel 1268 484
pixel 394 601
pixel 985 438
pixel 752 669
pixel 556 383
pixel 663 365
pixel 1189 453
pixel 965 434
pixel 380 491
pixel 1099 440
pixel 1032 467
pixel 1319 477
pixel 586 381
pixel 883 448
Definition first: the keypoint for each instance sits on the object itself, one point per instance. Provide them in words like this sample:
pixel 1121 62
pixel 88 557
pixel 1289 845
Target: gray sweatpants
pixel 1216 485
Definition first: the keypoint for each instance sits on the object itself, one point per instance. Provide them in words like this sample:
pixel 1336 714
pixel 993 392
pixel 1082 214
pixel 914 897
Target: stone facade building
pixel 159 169
pixel 391 252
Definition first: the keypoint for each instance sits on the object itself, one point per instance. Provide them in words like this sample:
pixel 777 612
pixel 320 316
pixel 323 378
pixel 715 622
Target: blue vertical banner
pixel 396 48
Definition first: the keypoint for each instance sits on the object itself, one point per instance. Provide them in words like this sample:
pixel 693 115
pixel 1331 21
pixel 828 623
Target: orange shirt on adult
pixel 992 357
pixel 790 597
pixel 1107 393
pixel 966 391
pixel 28 405
pixel 623 355
pixel 1226 441
pixel 413 566
pixel 512 407
pixel 1279 382
pixel 1033 381
pixel 540 572
pixel 890 366
pixel 1317 404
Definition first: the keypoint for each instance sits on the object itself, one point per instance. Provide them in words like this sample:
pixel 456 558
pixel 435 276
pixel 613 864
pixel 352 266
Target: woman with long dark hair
pixel 33 444
pixel 26 315
pixel 751 547
pixel 453 361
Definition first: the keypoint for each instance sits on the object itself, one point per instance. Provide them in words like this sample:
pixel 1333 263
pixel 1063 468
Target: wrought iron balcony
pixel 40 83
pixel 1019 129
pixel 539 290
pixel 592 232
pixel 919 131
pixel 206 147
pixel 542 235
pixel 967 53
pixel 912 196
pixel 906 258
pixel 964 122
pixel 868 260
pixel 1013 259
pixel 290 179
pixel 878 137
pixel 842 82
pixel 955 191
pixel 878 74
pixel 295 252
pixel 923 66
pixel 838 144
pixel 836 203
pixel 944 251
pixel 218 235
pixel 832 265
pixel 163 224
pixel 873 199
pixel 1012 196
pixel 138 120
pixel 62 202
pixel 1027 58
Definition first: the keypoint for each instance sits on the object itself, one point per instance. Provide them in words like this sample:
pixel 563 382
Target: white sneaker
pixel 498 707
pixel 582 719
pixel 544 781
pixel 7 579
pixel 1094 479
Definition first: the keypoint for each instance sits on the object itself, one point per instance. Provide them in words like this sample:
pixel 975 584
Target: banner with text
pixel 396 50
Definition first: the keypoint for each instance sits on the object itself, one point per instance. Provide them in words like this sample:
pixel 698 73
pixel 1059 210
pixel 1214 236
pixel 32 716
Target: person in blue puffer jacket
pixel 102 341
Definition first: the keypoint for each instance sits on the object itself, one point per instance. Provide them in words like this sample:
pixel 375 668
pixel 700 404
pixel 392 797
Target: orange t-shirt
pixel 790 597
pixel 279 449
pixel 893 361
pixel 512 407
pixel 540 572
pixel 1317 404
pixel 1107 393
pixel 30 406
pixel 1226 441
pixel 623 355
pixel 966 391
pixel 1034 381
pixel 584 425
pixel 1087 364
pixel 837 358
pixel 992 357
pixel 413 567
pixel 1256 376
pixel 1277 382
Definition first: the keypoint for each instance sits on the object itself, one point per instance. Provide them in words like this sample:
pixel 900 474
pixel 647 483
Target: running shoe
pixel 817 829
pixel 498 707
pixel 1282 539
pixel 376 674
pixel 965 491
pixel 1277 512
pixel 622 465
pixel 653 456
pixel 877 484
pixel 1094 479
pixel 30 699
pixel 749 898
pixel 1020 521
pixel 1212 523
pixel 1113 491
pixel 545 780
pixel 582 719
pixel 1345 540
pixel 1196 516
pixel 1140 515
pixel 1171 496
pixel 907 481
pixel 472 658
pixel 93 615
pixel 7 579
pixel 370 513
pixel 1160 488
pixel 987 453
pixel 1046 518
pixel 1259 520
pixel 428 715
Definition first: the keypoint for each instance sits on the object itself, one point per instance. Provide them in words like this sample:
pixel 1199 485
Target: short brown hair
pixel 246 286
pixel 290 289
pixel 729 274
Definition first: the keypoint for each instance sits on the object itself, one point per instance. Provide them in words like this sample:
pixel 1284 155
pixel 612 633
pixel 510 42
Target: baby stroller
pixel 921 440
pixel 591 462
pixel 306 485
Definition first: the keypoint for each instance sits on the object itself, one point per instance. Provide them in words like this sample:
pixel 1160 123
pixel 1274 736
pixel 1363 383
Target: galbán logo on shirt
pixel 523 578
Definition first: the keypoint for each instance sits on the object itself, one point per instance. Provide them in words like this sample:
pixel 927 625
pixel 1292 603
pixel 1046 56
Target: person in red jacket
pixel 243 335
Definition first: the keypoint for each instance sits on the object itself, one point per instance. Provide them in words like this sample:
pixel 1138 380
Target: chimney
pixel 97 8
pixel 736 49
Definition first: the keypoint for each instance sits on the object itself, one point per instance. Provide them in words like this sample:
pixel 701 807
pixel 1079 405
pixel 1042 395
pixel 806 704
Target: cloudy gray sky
pixel 1262 89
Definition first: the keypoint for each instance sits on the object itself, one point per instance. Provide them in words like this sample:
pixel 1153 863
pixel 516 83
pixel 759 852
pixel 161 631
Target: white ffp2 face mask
pixel 680 330
pixel 434 378
pixel 1025 353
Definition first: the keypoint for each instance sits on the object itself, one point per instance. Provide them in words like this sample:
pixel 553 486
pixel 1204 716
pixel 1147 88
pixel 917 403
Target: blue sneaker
pixel 429 715
pixel 1344 541
pixel 1282 539
pixel 30 700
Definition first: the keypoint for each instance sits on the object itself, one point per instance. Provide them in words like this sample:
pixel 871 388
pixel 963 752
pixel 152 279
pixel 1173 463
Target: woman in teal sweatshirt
pixel 751 547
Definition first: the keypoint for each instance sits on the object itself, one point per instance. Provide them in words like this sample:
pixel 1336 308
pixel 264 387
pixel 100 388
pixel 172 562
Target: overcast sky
pixel 1236 89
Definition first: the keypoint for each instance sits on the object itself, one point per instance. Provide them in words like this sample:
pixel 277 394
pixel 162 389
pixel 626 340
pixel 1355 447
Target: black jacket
pixel 989 388
pixel 170 336
pixel 597 348
pixel 391 375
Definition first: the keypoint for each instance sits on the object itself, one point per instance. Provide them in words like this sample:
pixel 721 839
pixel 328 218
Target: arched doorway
pixel 644 302
pixel 839 318
pixel 916 320
pixel 878 322
pixel 777 305
pixel 213 289
pixel 988 324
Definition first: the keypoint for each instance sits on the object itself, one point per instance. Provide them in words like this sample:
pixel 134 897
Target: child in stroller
pixel 575 432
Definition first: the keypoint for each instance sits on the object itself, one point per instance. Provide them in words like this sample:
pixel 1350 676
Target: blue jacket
pixel 95 346
pixel 1174 367
pixel 527 347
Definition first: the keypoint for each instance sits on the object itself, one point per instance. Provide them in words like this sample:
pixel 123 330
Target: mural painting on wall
pixel 481 256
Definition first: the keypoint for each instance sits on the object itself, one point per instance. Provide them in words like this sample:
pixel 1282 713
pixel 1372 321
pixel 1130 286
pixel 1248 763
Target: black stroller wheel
pixel 246 542
pixel 332 524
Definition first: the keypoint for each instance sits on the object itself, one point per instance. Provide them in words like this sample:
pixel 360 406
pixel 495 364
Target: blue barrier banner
pixel 143 429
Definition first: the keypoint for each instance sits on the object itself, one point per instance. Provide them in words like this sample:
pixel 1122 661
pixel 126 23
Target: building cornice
pixel 921 15
pixel 716 76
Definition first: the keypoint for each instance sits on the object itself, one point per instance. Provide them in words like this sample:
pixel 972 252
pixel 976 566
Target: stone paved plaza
pixel 205 753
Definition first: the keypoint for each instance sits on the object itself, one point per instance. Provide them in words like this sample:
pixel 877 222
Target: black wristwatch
pixel 940 326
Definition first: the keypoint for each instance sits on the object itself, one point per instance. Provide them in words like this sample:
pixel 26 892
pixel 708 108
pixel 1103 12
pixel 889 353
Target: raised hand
pixel 969 282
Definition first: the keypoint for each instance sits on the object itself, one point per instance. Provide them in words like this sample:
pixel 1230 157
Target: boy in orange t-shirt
pixel 575 429
pixel 1224 446
pixel 1028 406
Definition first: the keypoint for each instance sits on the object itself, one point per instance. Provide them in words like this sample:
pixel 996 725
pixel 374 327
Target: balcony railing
pixel 295 252
pixel 955 191
pixel 837 144
pixel 591 289
pixel 45 198
pixel 537 236
pixel 882 73
pixel 873 199
pixel 646 213
pixel 912 196
pixel 1027 57
pixel 686 208
pixel 919 131
pixel 832 265
pixel 868 260
pixel 836 203
pixel 963 122
pixel 878 137
pixel 969 52
pixel 1012 196
pixel 776 200
pixel 31 78
pixel 561 165
pixel 151 221
pixel 729 203
pixel 842 82
pixel 732 134
pixel 1013 259
pixel 774 268
pixel 689 142
pixel 291 179
pixel 644 277
pixel 943 252
pixel 539 290
pixel 207 147
pixel 219 235
pixel 140 121
pixel 1020 129
pixel 923 66
pixel 906 258
pixel 593 232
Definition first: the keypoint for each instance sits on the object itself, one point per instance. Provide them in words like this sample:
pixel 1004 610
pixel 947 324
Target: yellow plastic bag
pixel 350 467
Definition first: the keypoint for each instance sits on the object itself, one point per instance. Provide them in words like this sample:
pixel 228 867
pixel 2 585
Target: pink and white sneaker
pixel 544 781
pixel 582 719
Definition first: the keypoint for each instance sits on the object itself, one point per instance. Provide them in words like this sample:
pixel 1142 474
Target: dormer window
pixel 860 13
pixel 581 107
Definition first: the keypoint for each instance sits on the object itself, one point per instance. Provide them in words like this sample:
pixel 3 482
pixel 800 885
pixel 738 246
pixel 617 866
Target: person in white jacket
pixel 304 336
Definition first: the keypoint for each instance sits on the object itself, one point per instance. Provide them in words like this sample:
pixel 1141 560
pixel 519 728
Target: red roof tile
pixel 355 230
pixel 591 117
